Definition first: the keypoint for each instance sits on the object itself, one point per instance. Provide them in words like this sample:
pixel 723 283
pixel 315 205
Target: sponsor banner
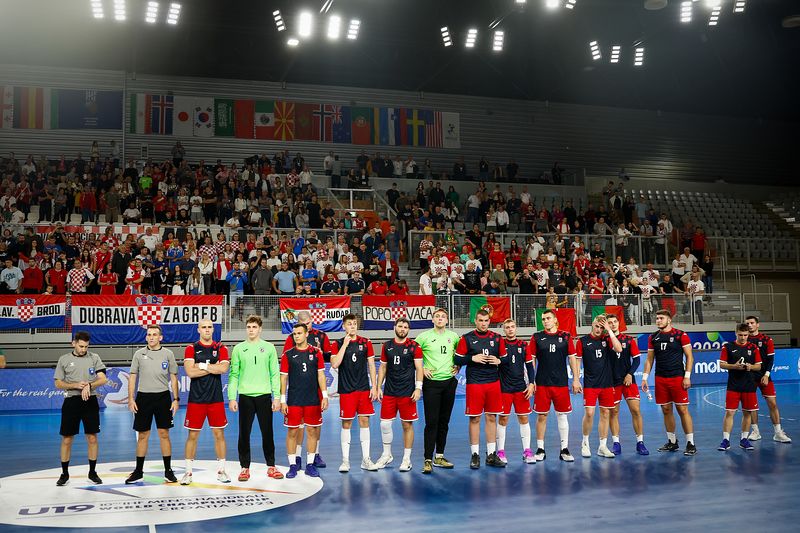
pixel 701 340
pixel 122 319
pixel 29 311
pixel 380 312
pixel 326 313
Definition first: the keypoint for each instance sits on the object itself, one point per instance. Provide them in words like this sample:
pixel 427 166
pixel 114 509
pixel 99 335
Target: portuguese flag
pixel 611 309
pixel 566 320
pixel 499 307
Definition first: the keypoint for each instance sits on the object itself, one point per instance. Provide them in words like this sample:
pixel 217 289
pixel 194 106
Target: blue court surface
pixel 712 491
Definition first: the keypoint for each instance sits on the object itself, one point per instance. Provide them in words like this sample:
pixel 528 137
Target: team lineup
pixel 504 373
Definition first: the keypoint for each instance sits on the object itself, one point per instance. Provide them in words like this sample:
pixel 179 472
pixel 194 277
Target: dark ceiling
pixel 746 66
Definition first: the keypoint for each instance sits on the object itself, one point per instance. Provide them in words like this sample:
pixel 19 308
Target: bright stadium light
pixel 595 48
pixel 570 4
pixel 638 59
pixel 152 12
pixel 97 9
pixel 498 41
pixel 521 1
pixel 713 20
pixel 552 4
pixel 174 13
pixel 352 32
pixel 293 41
pixel 279 23
pixel 304 25
pixel 713 4
pixel 446 39
pixel 472 36
pixel 738 6
pixel 119 10
pixel 615 51
pixel 334 27
pixel 686 11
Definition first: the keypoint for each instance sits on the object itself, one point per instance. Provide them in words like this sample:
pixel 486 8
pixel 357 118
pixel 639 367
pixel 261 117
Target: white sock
pixel 585 440
pixel 345 438
pixel 406 454
pixel 363 434
pixel 563 429
pixel 299 450
pixel 540 443
pixel 501 437
pixel 777 427
pixel 726 435
pixel 744 434
pixel 755 427
pixel 474 448
pixel 690 438
pixel 671 437
pixel 292 459
pixel 220 465
pixel 604 443
pixel 439 455
pixel 614 438
pixel 309 458
pixel 189 465
pixel 387 436
pixel 525 433
pixel 639 438
pixel 491 447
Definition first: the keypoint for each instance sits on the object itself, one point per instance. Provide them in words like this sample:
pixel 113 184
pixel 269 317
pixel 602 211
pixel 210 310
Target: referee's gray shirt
pixel 73 369
pixel 153 368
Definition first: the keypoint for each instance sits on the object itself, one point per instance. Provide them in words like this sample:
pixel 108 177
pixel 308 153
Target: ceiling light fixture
pixel 638 59
pixel 334 27
pixel 713 20
pixel 152 12
pixel 615 52
pixel 595 48
pixel 174 13
pixel 97 9
pixel 738 6
pixel 552 4
pixel 472 36
pixel 446 40
pixel 570 4
pixel 293 41
pixel 686 11
pixel 119 10
pixel 498 41
pixel 279 23
pixel 352 32
pixel 305 22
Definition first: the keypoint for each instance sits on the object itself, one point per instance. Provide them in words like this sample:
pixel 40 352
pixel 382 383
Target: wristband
pixel 418 385
pixel 645 376
pixel 176 400
pixel 687 375
pixel 283 398
pixel 767 373
pixel 325 394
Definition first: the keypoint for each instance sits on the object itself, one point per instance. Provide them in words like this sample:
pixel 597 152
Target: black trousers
pixel 249 408
pixel 438 398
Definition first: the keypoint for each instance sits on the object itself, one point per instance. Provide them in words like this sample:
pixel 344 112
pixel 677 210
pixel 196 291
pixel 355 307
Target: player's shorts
pixel 605 396
pixel 631 392
pixel 768 390
pixel 392 405
pixel 352 403
pixel 558 397
pixel 749 401
pixel 152 405
pixel 310 415
pixel 484 398
pixel 196 414
pixel 74 411
pixel 517 400
pixel 670 390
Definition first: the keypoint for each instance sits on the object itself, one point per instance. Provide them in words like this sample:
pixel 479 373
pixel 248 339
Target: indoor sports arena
pixel 334 263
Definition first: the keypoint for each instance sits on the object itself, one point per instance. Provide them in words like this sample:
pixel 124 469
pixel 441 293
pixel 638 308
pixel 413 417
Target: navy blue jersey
pixel 302 368
pixel 551 351
pixel 474 343
pixel 206 389
pixel 401 373
pixel 767 348
pixel 353 372
pixel 627 359
pixel 598 356
pixel 316 338
pixel 668 350
pixel 512 371
pixel 733 353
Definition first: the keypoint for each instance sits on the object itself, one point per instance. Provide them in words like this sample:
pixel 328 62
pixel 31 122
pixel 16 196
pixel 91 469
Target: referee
pixel 158 373
pixel 438 388
pixel 79 374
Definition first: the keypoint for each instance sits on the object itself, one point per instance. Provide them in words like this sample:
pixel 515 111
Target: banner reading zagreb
pixel 29 311
pixel 380 312
pixel 326 312
pixel 122 319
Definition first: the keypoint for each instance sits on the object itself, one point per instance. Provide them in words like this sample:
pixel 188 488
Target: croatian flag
pixel 29 311
pixel 327 312
pixel 380 312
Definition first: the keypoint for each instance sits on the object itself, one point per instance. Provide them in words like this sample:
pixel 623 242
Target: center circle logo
pixel 32 499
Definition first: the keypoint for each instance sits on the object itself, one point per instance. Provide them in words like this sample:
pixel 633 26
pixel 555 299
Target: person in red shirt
pixel 134 278
pixel 33 281
pixel 399 288
pixel 160 206
pixel 699 242
pixel 378 287
pixel 390 269
pixel 581 265
pixel 102 257
pixel 56 277
pixel 497 257
pixel 88 205
pixel 107 279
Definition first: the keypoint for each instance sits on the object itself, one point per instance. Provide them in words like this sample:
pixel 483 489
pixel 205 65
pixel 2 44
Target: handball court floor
pixel 712 491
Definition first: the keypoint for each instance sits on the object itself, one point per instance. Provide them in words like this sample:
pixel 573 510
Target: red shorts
pixel 352 403
pixel 768 390
pixel 670 390
pixel 407 408
pixel 749 401
pixel 557 396
pixel 196 414
pixel 631 392
pixel 521 404
pixel 310 415
pixel 605 396
pixel 484 398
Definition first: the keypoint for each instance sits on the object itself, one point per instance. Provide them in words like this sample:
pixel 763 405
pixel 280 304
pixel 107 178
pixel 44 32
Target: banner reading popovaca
pixel 29 311
pixel 122 319
pixel 380 312
pixel 327 312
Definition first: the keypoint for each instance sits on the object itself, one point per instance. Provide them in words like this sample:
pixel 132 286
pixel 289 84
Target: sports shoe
pixel 528 457
pixel 318 462
pixel 442 462
pixel 136 475
pixel 492 459
pixel 368 465
pixel 94 478
pixel 501 454
pixel 244 475
pixel 585 450
pixel 616 448
pixel 311 470
pixel 384 461
pixel 746 445
pixel 725 445
pixel 292 473
pixel 475 461
pixel 641 449
pixel 169 476
pixel 781 436
pixel 62 480
pixel 427 467
pixel 274 473
pixel 405 465
pixel 566 456
pixel 754 435
pixel 603 451
pixel 540 454
pixel 344 467
pixel 223 477
pixel 669 447
pixel 186 479
pixel 691 449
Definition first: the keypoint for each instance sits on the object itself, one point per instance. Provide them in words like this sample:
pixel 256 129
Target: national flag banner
pixel 341 127
pixel 223 117
pixel 203 117
pixel 139 112
pixel 611 310
pixel 385 126
pixel 451 130
pixel 182 116
pixel 31 108
pixel 361 129
pixel 426 116
pixel 567 320
pixel 323 121
pixel 499 307
pixel 304 122
pixel 73 109
pixel 123 319
pixel 433 130
pixel 30 311
pixel 416 128
pixel 326 312
pixel 380 312
pixel 264 119
pixel 284 121
pixel 244 119
pixel 161 109
pixel 6 106
pixel 401 117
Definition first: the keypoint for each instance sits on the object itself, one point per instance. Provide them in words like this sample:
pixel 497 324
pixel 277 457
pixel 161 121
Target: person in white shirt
pixel 425 282
pixel 327 163
pixel 678 270
pixel 472 261
pixel 695 290
pixel 17 216
pixel 502 219
pixel 542 278
pixel 410 164
pixel 622 240
pixel 439 264
pixel 150 240
pixel 525 196
pixel 535 249
pixel 652 276
pixel 196 202
pixel 355 266
pixel 397 167
pixel 688 259
pixel 274 260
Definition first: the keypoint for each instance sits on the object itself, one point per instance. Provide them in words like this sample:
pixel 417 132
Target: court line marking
pixel 705 399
